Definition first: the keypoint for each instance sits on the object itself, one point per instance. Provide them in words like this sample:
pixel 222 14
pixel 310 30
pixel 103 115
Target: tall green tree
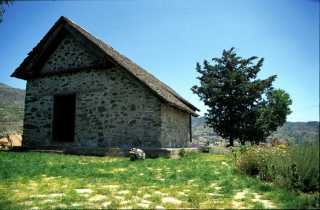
pixel 233 94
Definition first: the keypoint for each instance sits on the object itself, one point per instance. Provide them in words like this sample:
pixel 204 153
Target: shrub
pixel 204 149
pixel 295 167
pixel 247 162
pixel 182 152
pixel 219 150
pixel 305 159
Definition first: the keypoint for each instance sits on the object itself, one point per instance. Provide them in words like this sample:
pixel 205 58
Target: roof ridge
pixel 126 58
pixel 160 88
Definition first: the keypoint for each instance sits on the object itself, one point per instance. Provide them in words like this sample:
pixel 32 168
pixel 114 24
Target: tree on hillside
pixel 2 10
pixel 234 95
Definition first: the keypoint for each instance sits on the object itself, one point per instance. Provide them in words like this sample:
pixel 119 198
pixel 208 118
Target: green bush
pixel 295 167
pixel 204 149
pixel 305 160
pixel 248 161
pixel 182 152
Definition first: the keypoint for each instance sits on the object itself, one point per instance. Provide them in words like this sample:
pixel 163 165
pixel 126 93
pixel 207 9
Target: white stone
pixel 137 154
pixel 171 200
pixel 83 191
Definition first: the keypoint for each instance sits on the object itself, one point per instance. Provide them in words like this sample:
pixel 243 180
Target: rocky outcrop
pixel 12 140
pixel 4 142
pixel 137 154
pixel 15 140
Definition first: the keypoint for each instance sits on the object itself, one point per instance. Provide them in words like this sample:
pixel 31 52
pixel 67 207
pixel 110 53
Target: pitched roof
pixel 159 88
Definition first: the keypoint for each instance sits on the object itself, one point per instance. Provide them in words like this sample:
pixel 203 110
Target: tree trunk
pixel 242 141
pixel 230 142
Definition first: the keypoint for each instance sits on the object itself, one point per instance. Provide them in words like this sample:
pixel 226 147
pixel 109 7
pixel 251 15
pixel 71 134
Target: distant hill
pixel 299 132
pixel 11 109
pixel 295 132
pixel 10 95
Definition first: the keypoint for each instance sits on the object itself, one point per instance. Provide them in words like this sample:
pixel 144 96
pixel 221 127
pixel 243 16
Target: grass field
pixel 42 181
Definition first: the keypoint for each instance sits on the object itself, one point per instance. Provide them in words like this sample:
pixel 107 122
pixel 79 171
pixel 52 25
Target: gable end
pixel 70 54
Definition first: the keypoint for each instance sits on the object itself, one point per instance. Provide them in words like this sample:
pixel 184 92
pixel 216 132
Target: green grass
pixel 40 180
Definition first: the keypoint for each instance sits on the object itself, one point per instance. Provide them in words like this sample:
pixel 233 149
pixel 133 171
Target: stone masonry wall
pixel 113 109
pixel 69 54
pixel 175 127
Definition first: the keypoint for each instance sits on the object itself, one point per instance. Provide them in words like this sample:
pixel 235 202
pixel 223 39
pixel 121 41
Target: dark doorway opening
pixel 64 118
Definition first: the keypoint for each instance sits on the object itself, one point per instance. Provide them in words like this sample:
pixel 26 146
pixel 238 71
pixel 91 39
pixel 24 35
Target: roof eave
pixel 21 71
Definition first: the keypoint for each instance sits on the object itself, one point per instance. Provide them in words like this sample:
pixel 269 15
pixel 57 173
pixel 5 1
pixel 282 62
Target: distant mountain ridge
pixel 11 95
pixel 295 132
pixel 11 109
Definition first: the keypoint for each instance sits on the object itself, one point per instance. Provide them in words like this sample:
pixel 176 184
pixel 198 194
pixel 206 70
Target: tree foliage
pixel 237 100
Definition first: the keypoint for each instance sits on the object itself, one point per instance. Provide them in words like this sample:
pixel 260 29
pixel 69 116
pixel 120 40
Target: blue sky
pixel 169 37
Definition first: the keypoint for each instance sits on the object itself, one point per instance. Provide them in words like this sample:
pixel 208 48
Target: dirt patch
pixel 215 186
pixel 224 163
pixel 55 195
pixel 111 187
pixel 159 193
pixel 98 197
pixel 146 196
pixel 160 178
pixel 182 194
pixel 143 205
pixel 241 195
pixel 81 191
pixel 106 204
pixel 124 203
pixel 266 203
pixel 60 206
pixel 117 170
pixel 123 192
pixel 47 201
pixel 39 196
pixel 119 197
pixel 171 200
pixel 75 204
pixel 237 203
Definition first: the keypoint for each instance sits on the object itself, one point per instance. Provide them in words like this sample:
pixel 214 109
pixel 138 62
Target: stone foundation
pixel 116 152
